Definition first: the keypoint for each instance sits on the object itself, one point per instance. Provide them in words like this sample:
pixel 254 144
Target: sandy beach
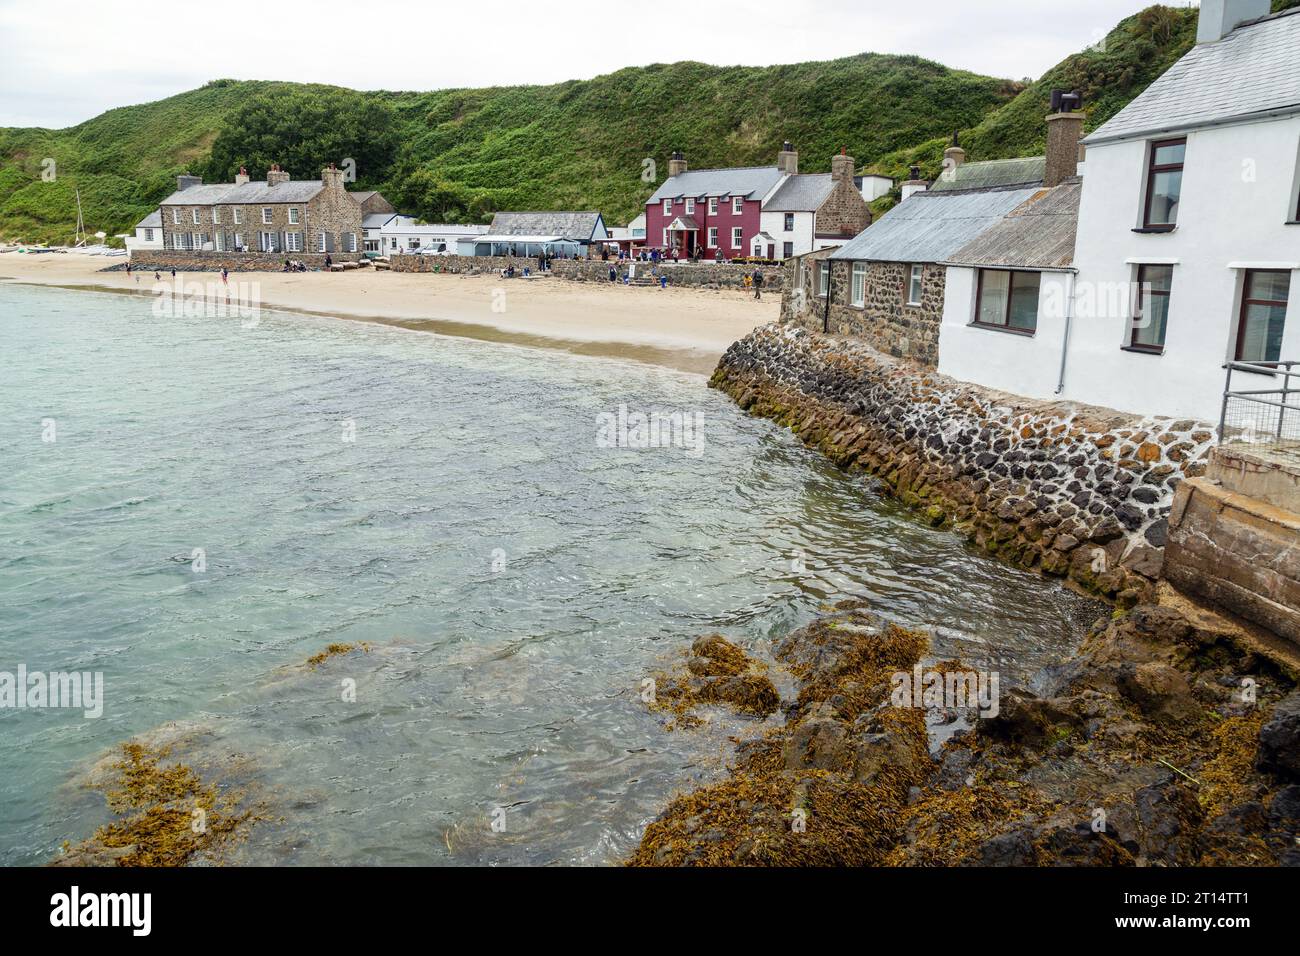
pixel 686 329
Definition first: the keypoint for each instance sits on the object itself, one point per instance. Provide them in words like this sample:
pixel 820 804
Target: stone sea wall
pixel 703 276
pixel 1071 491
pixel 147 259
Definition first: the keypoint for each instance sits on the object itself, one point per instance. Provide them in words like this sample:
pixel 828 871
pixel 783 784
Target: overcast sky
pixel 64 61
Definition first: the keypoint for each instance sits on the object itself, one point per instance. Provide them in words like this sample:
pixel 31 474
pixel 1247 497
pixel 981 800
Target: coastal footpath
pixel 1071 491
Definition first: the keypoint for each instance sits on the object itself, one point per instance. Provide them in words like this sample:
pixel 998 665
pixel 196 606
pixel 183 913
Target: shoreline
pixel 684 329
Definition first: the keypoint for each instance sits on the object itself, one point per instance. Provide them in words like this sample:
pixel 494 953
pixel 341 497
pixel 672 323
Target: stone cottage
pixel 278 217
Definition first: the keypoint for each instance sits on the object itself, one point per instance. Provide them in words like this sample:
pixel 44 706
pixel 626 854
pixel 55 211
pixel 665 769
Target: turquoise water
pixel 516 579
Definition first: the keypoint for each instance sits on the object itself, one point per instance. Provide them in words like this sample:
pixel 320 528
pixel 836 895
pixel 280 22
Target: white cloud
pixel 63 63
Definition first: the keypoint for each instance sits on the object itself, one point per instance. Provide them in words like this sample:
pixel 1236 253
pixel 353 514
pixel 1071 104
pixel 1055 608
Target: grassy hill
pixel 461 154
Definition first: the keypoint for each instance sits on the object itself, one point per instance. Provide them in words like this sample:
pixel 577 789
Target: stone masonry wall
pixel 1068 490
pixel 703 276
pixel 844 212
pixel 145 259
pixel 885 320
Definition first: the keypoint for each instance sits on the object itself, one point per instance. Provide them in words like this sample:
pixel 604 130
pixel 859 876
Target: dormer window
pixel 737 205
pixel 690 207
pixel 713 205
pixel 1164 184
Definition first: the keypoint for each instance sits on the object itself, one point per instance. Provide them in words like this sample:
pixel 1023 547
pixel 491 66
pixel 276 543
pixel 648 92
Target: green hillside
pixel 461 154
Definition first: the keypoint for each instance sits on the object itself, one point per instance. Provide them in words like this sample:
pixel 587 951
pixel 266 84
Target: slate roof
pixel 1254 71
pixel 993 173
pixel 377 220
pixel 751 182
pixel 578 226
pixel 931 226
pixel 1037 234
pixel 209 194
pixel 804 192
pixel 151 221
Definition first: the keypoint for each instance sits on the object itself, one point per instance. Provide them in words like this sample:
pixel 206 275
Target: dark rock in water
pixel 1168 818
pixel 1031 721
pixel 1159 690
pixel 1015 848
pixel 1279 740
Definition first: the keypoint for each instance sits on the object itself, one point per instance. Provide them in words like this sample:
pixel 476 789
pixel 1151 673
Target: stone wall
pixel 703 276
pixel 885 320
pixel 1068 490
pixel 844 212
pixel 1233 542
pixel 165 260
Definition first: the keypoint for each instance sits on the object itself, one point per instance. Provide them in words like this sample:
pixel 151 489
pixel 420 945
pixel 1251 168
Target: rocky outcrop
pixel 1071 491
pixel 1160 742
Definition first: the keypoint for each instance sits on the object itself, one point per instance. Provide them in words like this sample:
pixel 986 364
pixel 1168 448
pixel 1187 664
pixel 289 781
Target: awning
pixel 683 224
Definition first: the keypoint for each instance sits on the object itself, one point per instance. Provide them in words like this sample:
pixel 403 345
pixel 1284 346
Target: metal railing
pixel 1267 419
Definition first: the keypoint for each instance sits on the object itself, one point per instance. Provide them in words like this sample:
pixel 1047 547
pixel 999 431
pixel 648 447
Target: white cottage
pixel 148 233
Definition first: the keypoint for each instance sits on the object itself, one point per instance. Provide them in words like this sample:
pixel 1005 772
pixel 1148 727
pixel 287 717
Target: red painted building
pixel 717 211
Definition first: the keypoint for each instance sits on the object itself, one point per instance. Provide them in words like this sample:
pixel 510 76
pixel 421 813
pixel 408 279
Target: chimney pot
pixel 242 176
pixel 677 164
pixel 275 175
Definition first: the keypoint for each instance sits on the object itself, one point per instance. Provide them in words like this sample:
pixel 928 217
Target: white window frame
pixel 668 207
pixel 352 241
pixel 268 215
pixel 176 217
pixel 859 287
pixel 690 207
pixel 823 278
pixel 789 222
pixel 195 214
pixel 293 215
pixel 916 283
pixel 713 237
pixel 236 216
pixel 737 205
pixel 239 242
pixel 293 242
pixel 713 205
pixel 198 241
pixel 665 237
pixel 738 238
pixel 216 216
pixel 148 234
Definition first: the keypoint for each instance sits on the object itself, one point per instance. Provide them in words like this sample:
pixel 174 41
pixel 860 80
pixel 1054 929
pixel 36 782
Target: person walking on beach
pixel 157 276
pixel 758 284
pixel 613 274
pixel 225 275
pixel 329 260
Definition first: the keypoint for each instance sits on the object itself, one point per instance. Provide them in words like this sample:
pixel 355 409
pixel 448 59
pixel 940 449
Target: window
pixel 1007 300
pixel 198 241
pixel 914 284
pixel 789 222
pixel 823 277
pixel 1151 308
pixel 236 217
pixel 737 238
pixel 713 205
pixel 176 217
pixel 195 214
pixel 267 213
pixel 737 205
pixel 713 237
pixel 293 242
pixel 293 215
pixel 787 250
pixel 1263 315
pixel 859 283
pixel 690 207
pixel 665 243
pixel 216 216
pixel 1164 183
pixel 351 241
pixel 148 235
pixel 239 242
pixel 668 207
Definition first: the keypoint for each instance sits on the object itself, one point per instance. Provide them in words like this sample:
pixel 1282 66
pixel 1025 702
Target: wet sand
pixel 685 329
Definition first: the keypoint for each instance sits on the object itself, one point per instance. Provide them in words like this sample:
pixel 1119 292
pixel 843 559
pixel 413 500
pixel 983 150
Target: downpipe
pixel 1065 339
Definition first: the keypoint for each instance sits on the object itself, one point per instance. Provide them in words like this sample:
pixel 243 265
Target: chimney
pixel 954 155
pixel 787 161
pixel 242 176
pixel 915 184
pixel 275 175
pixel 332 178
pixel 842 167
pixel 185 181
pixel 1220 17
pixel 677 164
pixel 1064 129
